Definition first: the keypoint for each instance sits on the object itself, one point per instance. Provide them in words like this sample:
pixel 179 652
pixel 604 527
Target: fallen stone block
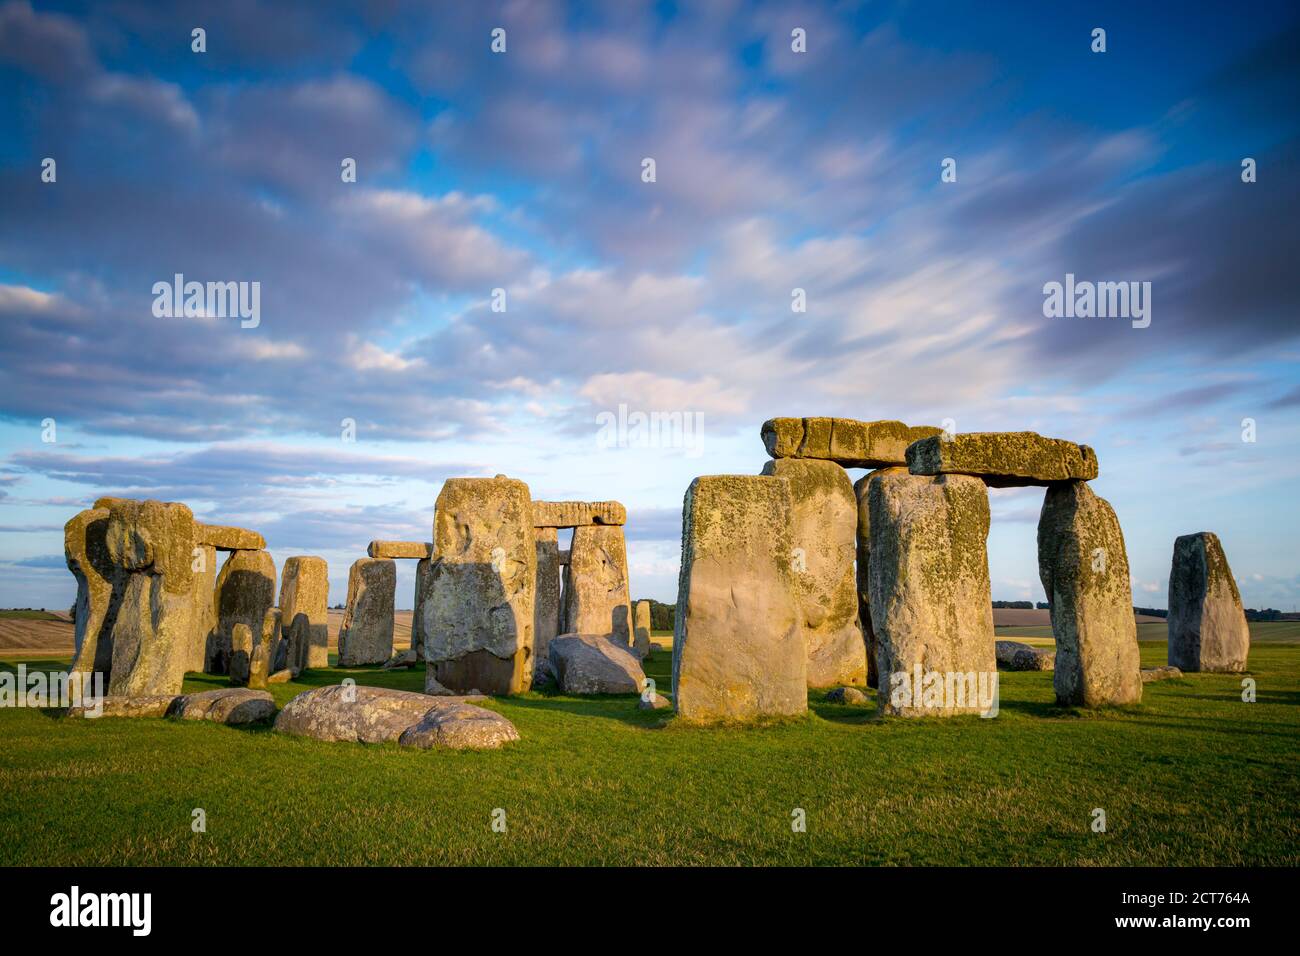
pixel 845 441
pixel 1015 656
pixel 1207 625
pixel 594 664
pixel 1163 672
pixel 153 705
pixel 846 695
pixel 231 706
pixel 459 726
pixel 1003 459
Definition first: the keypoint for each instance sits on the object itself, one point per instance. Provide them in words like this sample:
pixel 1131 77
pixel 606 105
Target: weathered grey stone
pixel 929 592
pixel 1015 656
pixel 423 583
pixel 594 664
pixel 861 566
pixel 655 701
pixel 641 629
pixel 478 616
pixel 737 652
pixel 240 662
pixel 366 634
pixel 459 726
pixel 280 677
pixel 846 695
pixel 100 585
pixel 1003 459
pixel 304 611
pixel 824 520
pixel 564 557
pixel 546 603
pixel 1163 672
pixel 1085 574
pixel 260 665
pixel 846 441
pixel 597 600
pixel 231 706
pixel 153 542
pixel 154 705
pixel 226 538
pixel 417 550
pixel 203 596
pixel 574 514
pixel 402 660
pixel 378 715
pixel 245 590
pixel 1207 626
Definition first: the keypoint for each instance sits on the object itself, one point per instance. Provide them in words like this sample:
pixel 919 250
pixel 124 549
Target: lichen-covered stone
pixel 1003 459
pixel 154 705
pixel 1015 656
pixel 929 588
pixel 478 617
pixel 574 514
pixel 203 597
pixel 366 634
pixel 737 649
pixel 245 589
pixel 546 603
pixel 378 715
pixel 598 598
pixel 1084 569
pixel 262 661
pixel 226 538
pixel 1207 626
pixel 240 663
pixel 233 706
pixel 594 664
pixel 846 441
pixel 861 565
pixel 641 629
pixel 1163 672
pixel 824 520
pixel 846 695
pixel 417 550
pixel 304 611
pixel 423 582
pixel 100 585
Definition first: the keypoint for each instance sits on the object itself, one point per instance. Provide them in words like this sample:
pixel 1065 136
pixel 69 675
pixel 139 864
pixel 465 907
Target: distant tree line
pixel 1151 611
pixel 1021 605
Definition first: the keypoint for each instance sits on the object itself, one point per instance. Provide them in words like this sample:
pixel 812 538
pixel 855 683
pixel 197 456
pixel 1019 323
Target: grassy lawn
pixel 1192 776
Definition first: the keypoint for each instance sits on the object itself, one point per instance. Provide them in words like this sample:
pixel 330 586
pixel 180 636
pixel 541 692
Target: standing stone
pixel 366 635
pixel 478 617
pixel 928 577
pixel 423 582
pixel 1207 626
pixel 240 663
pixel 204 598
pixel 546 606
pixel 862 565
pixel 737 652
pixel 100 585
pixel 245 589
pixel 304 612
pixel 824 521
pixel 153 542
pixel 1084 570
pixel 598 600
pixel 641 629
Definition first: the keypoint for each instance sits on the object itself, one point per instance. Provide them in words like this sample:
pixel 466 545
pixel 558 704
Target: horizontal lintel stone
pixel 574 514
pixel 1004 459
pixel 417 550
pixel 845 441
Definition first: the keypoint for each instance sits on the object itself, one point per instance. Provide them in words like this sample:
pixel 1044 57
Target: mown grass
pixel 1192 776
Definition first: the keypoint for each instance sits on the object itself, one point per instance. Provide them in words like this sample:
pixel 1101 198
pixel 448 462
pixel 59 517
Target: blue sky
pixel 522 171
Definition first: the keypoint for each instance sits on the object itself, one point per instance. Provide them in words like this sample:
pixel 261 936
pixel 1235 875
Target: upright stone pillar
pixel 641 627
pixel 737 649
pixel 546 607
pixel 245 589
pixel 100 584
pixel 862 564
pixel 366 635
pixel 304 612
pixel 823 528
pixel 153 543
pixel 478 616
pixel 1207 625
pixel 929 592
pixel 423 582
pixel 1084 570
pixel 204 598
pixel 598 601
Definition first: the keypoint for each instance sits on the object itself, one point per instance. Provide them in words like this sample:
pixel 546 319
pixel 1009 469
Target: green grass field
pixel 1192 776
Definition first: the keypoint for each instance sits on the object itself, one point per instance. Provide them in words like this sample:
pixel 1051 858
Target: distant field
pixel 29 615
